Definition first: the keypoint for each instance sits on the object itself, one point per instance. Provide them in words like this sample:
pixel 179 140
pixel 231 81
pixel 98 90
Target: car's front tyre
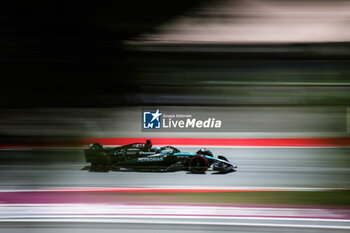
pixel 198 164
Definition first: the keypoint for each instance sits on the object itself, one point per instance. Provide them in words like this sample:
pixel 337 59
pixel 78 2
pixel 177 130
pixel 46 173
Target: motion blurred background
pixel 72 70
pixel 67 66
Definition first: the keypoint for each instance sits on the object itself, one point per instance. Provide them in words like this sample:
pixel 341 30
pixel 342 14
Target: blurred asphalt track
pixel 257 167
pixel 92 227
pixel 170 218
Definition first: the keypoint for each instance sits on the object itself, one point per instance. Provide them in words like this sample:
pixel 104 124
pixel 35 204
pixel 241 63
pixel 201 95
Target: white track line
pixel 175 188
pixel 126 221
pixel 53 216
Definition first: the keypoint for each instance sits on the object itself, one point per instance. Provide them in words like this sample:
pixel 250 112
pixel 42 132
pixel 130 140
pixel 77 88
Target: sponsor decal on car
pixel 150 159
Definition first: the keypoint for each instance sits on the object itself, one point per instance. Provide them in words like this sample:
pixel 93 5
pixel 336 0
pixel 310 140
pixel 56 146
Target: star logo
pixel 152 120
pixel 156 115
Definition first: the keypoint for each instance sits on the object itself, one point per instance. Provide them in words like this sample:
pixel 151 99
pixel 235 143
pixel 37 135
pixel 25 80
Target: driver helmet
pixel 205 151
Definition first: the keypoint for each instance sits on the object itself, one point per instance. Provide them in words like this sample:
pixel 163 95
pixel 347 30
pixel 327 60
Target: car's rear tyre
pixel 198 164
pixel 101 163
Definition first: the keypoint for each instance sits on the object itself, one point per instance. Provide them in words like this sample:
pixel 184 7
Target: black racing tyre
pixel 198 164
pixel 101 163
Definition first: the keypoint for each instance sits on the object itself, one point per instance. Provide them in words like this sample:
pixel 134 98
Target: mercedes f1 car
pixel 144 157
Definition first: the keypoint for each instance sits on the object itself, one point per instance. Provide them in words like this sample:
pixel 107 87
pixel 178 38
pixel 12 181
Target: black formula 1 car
pixel 144 157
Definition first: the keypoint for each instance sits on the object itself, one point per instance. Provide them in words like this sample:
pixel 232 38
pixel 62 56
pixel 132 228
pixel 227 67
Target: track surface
pixel 170 218
pixel 67 227
pixel 257 167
